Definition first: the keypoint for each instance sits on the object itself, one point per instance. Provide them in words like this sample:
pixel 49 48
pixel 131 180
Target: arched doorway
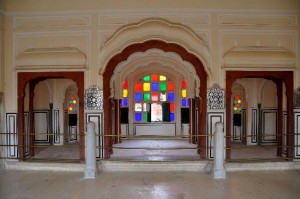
pixel 33 78
pixel 166 47
pixel 280 78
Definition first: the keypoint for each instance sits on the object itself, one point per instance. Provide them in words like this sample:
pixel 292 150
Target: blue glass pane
pixel 125 102
pixel 172 117
pixel 171 97
pixel 154 86
pixel 138 97
pixel 138 117
pixel 183 102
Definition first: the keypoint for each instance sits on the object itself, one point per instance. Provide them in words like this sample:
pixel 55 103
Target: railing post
pixel 90 152
pixel 219 170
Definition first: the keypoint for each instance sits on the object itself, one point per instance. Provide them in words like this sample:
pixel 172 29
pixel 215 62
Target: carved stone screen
pixel 215 98
pixel 94 98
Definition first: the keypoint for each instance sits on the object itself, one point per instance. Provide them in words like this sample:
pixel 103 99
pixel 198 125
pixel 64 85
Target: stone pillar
pixel 90 152
pixel 219 170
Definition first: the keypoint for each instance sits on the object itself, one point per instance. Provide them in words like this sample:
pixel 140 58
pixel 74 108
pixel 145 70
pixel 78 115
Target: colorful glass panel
pixel 146 97
pixel 154 97
pixel 154 77
pixel 162 78
pixel 172 117
pixel 125 84
pixel 154 86
pixel 138 97
pixel 125 102
pixel 125 92
pixel 172 107
pixel 138 87
pixel 237 103
pixel 171 97
pixel 162 86
pixel 183 93
pixel 72 105
pixel 183 84
pixel 145 117
pixel 146 78
pixel 138 117
pixel 171 86
pixel 146 86
pixel 149 90
pixel 183 102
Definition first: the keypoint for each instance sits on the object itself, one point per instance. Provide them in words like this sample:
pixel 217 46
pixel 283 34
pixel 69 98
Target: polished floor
pixel 146 185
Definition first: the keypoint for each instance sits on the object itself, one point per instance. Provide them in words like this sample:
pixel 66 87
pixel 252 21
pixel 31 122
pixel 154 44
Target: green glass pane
pixel 146 97
pixel 147 78
pixel 162 86
pixel 145 117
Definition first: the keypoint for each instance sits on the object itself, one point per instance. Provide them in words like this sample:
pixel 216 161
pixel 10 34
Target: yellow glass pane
pixel 146 86
pixel 70 108
pixel 125 92
pixel 183 93
pixel 162 78
pixel 74 101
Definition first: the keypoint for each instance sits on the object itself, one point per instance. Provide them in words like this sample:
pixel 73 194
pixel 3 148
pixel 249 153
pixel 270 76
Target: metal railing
pixel 70 151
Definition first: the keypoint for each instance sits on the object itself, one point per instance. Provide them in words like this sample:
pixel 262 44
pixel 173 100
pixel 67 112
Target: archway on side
pixel 279 79
pixel 33 78
pixel 168 48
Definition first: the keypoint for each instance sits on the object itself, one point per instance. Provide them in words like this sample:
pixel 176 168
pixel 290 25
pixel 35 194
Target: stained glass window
pixel 184 99
pixel 72 105
pixel 237 103
pixel 152 91
pixel 124 100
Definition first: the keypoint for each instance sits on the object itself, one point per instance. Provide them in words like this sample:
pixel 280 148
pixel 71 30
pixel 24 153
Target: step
pixel 261 166
pixel 155 166
pixel 151 166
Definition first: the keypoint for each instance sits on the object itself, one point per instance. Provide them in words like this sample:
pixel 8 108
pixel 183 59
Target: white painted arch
pixel 154 29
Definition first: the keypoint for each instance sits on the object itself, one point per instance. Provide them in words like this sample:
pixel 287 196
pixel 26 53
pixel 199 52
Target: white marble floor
pixel 149 185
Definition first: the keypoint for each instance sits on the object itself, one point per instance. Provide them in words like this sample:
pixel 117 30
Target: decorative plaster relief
pixel 51 21
pixel 60 57
pixel 257 20
pixel 72 44
pixel 258 55
pixel 155 29
pixel 93 98
pixel 216 98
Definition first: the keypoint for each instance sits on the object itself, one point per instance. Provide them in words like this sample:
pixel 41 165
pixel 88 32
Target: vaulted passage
pixel 153 89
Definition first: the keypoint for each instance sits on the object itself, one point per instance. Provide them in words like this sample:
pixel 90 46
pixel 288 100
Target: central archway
pixel 166 47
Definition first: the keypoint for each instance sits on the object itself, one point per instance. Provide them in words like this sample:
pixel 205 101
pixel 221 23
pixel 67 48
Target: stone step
pixel 261 166
pixel 152 166
pixel 155 166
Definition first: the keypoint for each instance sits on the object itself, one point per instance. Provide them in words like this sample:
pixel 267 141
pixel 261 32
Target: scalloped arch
pixel 154 29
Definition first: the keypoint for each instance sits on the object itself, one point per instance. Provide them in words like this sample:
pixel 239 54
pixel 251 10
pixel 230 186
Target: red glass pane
pixel 183 84
pixel 172 107
pixel 125 84
pixel 237 97
pixel 138 87
pixel 154 97
pixel 154 77
pixel 171 86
